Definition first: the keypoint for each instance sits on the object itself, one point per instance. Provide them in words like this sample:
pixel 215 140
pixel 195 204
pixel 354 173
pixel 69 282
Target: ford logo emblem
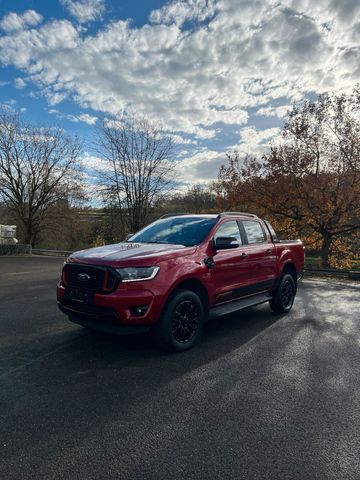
pixel 83 277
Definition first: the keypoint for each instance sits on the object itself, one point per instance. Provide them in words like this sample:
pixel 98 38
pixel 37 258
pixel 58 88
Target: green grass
pixel 315 262
pixel 17 249
pixel 312 262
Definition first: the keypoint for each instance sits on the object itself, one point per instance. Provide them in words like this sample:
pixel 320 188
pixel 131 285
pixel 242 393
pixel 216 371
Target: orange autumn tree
pixel 234 191
pixel 309 182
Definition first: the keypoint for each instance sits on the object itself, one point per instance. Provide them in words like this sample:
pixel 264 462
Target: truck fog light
pixel 139 311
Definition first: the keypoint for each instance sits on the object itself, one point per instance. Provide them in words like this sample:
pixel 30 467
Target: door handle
pixel 243 255
pixel 269 251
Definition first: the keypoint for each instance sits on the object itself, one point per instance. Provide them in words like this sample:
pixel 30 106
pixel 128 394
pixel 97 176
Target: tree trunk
pixel 28 233
pixel 29 239
pixel 325 250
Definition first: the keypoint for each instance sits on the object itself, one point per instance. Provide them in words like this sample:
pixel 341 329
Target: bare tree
pixel 38 169
pixel 139 168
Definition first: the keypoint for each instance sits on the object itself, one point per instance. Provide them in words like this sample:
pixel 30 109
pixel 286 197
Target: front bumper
pixel 115 309
pixel 102 319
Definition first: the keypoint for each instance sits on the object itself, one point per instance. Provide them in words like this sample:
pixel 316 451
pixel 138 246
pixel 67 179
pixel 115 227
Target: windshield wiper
pixel 166 243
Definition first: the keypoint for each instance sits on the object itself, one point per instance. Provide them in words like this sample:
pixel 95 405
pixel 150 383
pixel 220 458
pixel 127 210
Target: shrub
pixel 18 249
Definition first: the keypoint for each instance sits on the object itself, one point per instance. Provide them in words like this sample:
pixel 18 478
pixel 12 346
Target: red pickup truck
pixel 174 274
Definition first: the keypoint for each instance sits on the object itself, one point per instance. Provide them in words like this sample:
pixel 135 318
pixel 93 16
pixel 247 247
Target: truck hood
pixel 126 251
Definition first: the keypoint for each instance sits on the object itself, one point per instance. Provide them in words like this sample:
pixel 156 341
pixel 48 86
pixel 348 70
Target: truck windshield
pixel 187 231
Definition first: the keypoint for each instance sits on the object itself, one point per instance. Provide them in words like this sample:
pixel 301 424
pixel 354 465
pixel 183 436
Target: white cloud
pixel 84 10
pixel 11 102
pixel 55 97
pixel 95 164
pixel 279 112
pixel 255 142
pixel 251 134
pixel 178 139
pixel 199 132
pixel 19 83
pixel 181 11
pixel 83 117
pixel 182 153
pixel 35 50
pixel 12 21
pixel 237 55
pixel 201 167
pixel 89 119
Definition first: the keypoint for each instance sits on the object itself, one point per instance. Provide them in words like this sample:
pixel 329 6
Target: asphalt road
pixel 261 397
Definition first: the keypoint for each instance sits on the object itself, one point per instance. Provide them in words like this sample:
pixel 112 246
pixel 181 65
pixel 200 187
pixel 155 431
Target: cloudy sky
pixel 219 74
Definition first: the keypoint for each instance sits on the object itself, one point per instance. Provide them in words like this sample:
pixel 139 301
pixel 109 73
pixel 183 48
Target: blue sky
pixel 219 75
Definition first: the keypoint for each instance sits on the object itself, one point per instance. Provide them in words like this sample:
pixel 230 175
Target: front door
pixel 229 274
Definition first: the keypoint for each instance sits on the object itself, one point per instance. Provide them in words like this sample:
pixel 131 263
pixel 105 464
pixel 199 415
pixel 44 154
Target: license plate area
pixel 78 295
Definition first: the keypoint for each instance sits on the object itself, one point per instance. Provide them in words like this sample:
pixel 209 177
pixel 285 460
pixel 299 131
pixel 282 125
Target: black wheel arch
pixel 195 286
pixel 290 268
pixel 163 332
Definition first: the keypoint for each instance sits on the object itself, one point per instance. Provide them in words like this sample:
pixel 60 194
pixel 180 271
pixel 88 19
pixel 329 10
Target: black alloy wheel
pixel 181 323
pixel 284 295
pixel 287 293
pixel 185 320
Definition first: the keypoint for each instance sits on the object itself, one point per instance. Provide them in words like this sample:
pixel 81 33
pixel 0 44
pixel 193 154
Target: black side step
pixel 239 305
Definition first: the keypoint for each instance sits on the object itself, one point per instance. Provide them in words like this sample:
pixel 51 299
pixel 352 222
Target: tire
pixel 181 322
pixel 284 296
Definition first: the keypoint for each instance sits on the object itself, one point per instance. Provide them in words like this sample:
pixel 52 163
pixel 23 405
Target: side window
pixel 272 232
pixel 254 232
pixel 229 229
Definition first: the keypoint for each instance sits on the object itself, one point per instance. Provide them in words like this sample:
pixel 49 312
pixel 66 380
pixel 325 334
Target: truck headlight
pixel 137 274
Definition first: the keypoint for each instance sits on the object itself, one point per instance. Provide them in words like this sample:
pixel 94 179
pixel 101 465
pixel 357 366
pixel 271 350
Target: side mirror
pixel 129 235
pixel 224 243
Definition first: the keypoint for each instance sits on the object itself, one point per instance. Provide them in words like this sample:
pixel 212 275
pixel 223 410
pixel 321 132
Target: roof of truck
pixel 210 215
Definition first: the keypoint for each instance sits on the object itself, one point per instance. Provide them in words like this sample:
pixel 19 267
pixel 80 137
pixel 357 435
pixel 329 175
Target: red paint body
pixel 233 276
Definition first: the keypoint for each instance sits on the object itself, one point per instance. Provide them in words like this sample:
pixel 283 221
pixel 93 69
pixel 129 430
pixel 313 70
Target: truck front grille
pixel 88 277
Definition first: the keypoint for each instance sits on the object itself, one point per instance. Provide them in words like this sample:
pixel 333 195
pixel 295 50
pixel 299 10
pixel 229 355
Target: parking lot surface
pixel 261 397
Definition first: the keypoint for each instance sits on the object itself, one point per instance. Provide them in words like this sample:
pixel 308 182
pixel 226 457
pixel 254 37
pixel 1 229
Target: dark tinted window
pixel 254 232
pixel 186 231
pixel 229 229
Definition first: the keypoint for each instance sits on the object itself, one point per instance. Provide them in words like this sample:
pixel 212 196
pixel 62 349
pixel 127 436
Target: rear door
pixel 260 254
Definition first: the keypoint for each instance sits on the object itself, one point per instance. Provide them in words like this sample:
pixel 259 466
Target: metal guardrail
pixel 352 274
pixel 327 271
pixel 58 253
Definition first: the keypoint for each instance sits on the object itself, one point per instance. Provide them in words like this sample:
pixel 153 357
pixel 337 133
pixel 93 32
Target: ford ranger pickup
pixel 179 271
